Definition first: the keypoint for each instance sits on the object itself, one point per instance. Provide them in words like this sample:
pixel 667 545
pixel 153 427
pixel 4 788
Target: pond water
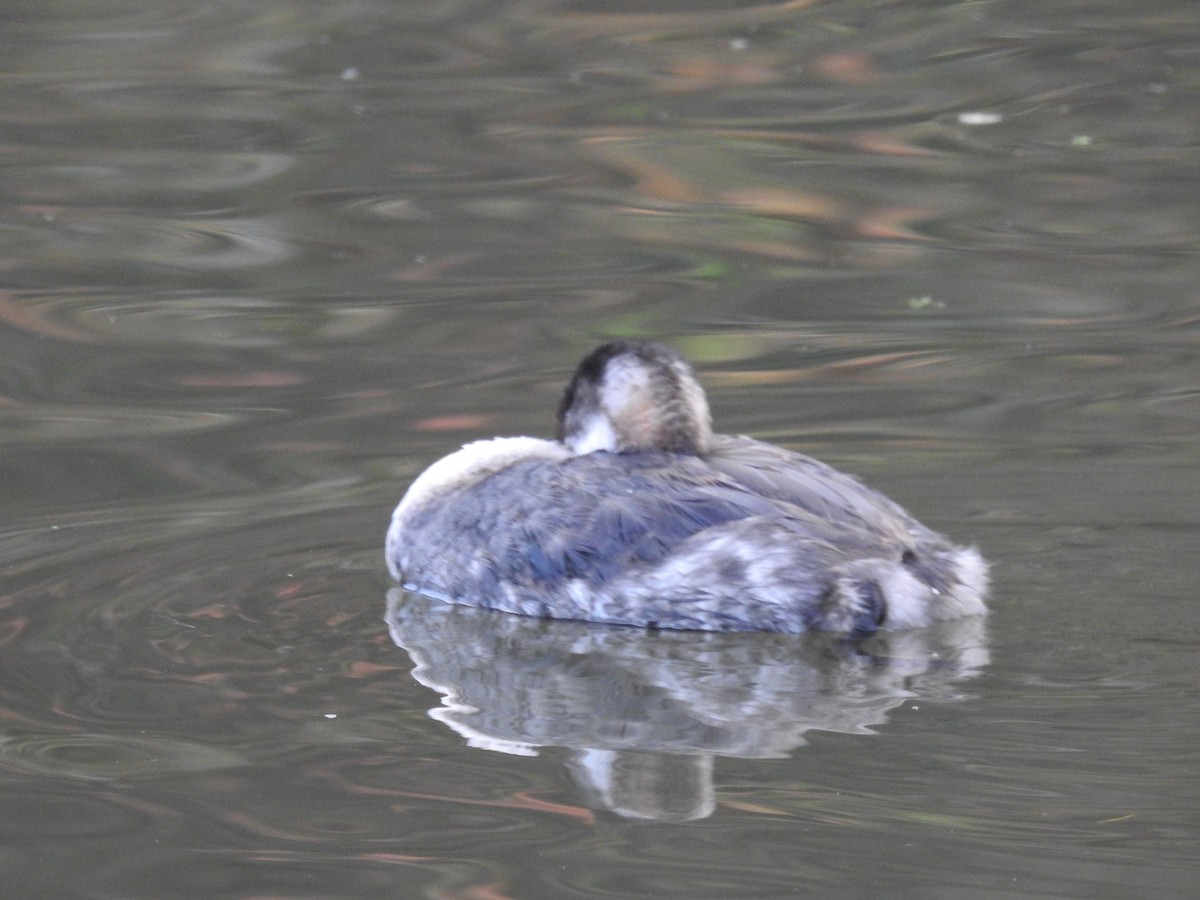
pixel 264 262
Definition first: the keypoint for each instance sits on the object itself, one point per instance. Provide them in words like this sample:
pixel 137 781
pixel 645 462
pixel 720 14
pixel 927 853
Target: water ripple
pixel 157 178
pixel 100 757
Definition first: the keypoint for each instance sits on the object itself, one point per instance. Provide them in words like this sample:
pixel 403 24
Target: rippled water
pixel 263 262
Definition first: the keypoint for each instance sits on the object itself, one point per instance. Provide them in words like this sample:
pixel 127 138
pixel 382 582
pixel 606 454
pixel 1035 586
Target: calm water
pixel 261 263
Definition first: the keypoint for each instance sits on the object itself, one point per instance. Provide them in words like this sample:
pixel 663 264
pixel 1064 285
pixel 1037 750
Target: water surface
pixel 263 264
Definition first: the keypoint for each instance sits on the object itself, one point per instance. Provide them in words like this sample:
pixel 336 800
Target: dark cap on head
pixel 628 396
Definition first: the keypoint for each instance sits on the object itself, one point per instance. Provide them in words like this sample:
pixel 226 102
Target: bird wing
pixel 590 517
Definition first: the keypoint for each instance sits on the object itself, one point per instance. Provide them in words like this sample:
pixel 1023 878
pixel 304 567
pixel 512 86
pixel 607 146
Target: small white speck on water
pixel 979 117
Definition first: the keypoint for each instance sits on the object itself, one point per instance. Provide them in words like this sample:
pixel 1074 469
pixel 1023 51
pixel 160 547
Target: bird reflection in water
pixel 643 715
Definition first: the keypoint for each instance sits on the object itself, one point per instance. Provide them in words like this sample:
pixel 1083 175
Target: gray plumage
pixel 639 515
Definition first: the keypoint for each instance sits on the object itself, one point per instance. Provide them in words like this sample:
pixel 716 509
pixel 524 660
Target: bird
pixel 638 514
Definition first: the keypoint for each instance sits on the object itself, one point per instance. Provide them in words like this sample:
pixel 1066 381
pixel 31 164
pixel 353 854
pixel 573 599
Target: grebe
pixel 638 514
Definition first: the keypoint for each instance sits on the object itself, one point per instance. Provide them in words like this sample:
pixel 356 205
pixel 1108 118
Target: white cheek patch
pixel 596 434
pixel 623 378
